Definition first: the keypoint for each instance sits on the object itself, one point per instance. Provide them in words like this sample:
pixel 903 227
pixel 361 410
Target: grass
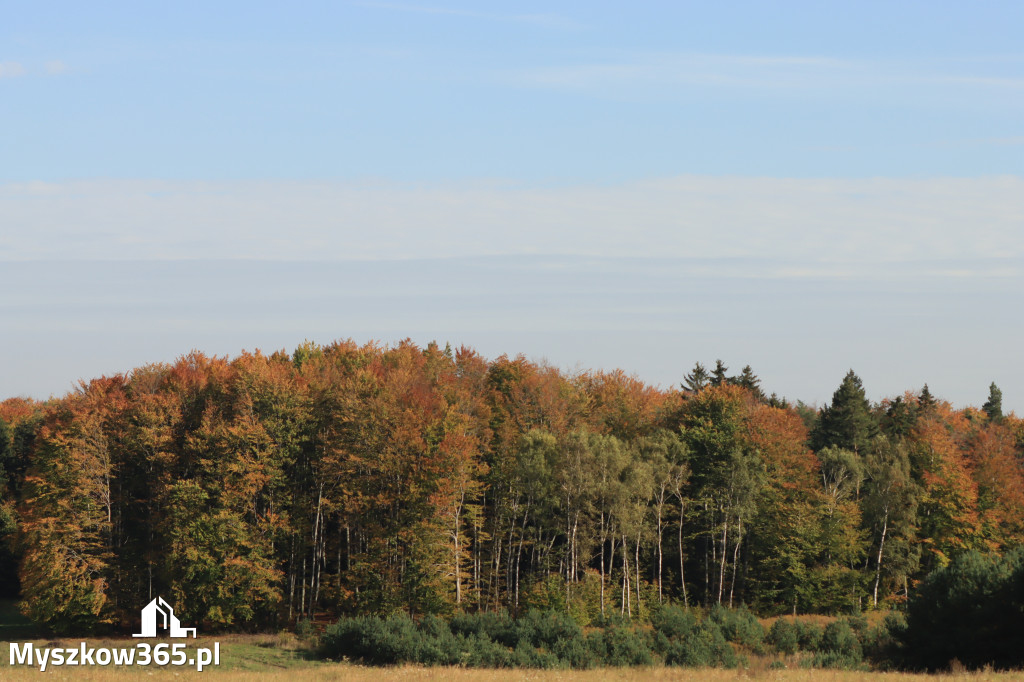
pixel 238 653
pixel 286 658
pixel 343 671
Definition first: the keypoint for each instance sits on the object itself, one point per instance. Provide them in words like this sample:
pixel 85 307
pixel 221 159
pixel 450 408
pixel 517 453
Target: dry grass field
pixel 283 658
pixel 325 673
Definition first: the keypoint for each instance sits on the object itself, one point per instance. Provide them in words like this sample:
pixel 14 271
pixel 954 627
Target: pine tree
pixel 748 380
pixel 899 418
pixel 926 399
pixel 718 375
pixel 993 407
pixel 848 422
pixel 696 380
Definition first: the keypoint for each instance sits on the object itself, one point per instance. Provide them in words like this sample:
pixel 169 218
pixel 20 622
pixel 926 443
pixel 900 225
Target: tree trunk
pixel 881 545
pixel 660 598
pixel 637 569
pixel 735 557
pixel 626 577
pixel 721 564
pixel 602 564
pixel 682 572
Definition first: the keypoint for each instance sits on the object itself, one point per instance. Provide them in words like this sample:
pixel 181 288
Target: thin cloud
pixel 985 81
pixel 780 72
pixel 545 20
pixel 55 67
pixel 803 222
pixel 11 69
pixel 748 71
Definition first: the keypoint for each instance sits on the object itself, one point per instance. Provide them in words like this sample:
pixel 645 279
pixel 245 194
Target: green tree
pixel 696 380
pixel 719 376
pixel 993 407
pixel 890 512
pixel 219 571
pixel 750 381
pixel 727 474
pixel 848 422
pixel 971 610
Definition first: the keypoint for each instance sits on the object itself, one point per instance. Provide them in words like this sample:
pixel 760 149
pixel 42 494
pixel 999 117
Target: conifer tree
pixel 718 375
pixel 899 417
pixel 993 407
pixel 848 422
pixel 750 381
pixel 926 399
pixel 696 380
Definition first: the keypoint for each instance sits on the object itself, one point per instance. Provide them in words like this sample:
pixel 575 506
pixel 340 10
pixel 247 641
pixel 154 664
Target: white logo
pixel 157 613
pixel 170 621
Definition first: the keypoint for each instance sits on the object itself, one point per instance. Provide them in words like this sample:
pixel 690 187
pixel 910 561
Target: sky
pixel 806 187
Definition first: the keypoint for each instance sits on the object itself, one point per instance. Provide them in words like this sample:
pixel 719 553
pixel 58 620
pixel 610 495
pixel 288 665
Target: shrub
pixel 497 626
pixel 808 635
pixel 673 621
pixel 739 626
pixel 832 659
pixel 704 646
pixel 839 640
pixel 784 636
pixel 971 610
pixel 481 652
pixel 621 645
pixel 304 628
pixel 546 629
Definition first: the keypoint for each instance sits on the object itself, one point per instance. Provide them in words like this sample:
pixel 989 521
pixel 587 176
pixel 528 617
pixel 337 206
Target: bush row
pixel 553 639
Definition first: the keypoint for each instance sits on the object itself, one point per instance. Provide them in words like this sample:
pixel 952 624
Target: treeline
pixel 347 480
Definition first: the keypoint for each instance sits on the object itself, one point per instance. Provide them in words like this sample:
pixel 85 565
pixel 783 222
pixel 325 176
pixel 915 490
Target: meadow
pixel 285 657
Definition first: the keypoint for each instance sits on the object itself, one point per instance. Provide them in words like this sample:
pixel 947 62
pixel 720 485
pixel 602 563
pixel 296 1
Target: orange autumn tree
pixel 67 511
pixel 948 505
pixel 996 469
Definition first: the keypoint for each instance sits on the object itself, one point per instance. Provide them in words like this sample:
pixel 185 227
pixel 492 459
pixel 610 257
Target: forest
pixel 260 491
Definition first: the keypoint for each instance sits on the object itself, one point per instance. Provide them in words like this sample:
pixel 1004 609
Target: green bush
pixel 497 626
pixel 971 610
pixel 784 636
pixel 832 659
pixel 482 652
pixel 304 628
pixel 739 626
pixel 620 645
pixel 840 640
pixel 704 646
pixel 537 640
pixel 808 635
pixel 546 629
pixel 673 621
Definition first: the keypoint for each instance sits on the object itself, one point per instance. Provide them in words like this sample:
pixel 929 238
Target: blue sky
pixel 874 150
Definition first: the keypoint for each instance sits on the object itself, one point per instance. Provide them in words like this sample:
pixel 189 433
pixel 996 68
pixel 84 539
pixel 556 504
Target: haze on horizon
pixel 828 188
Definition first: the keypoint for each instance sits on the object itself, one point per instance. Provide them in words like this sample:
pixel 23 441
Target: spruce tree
pixel 993 407
pixel 696 380
pixel 748 380
pixel 718 375
pixel 899 418
pixel 926 399
pixel 848 422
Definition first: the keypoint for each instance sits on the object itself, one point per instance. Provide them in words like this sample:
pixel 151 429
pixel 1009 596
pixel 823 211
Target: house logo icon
pixel 159 611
